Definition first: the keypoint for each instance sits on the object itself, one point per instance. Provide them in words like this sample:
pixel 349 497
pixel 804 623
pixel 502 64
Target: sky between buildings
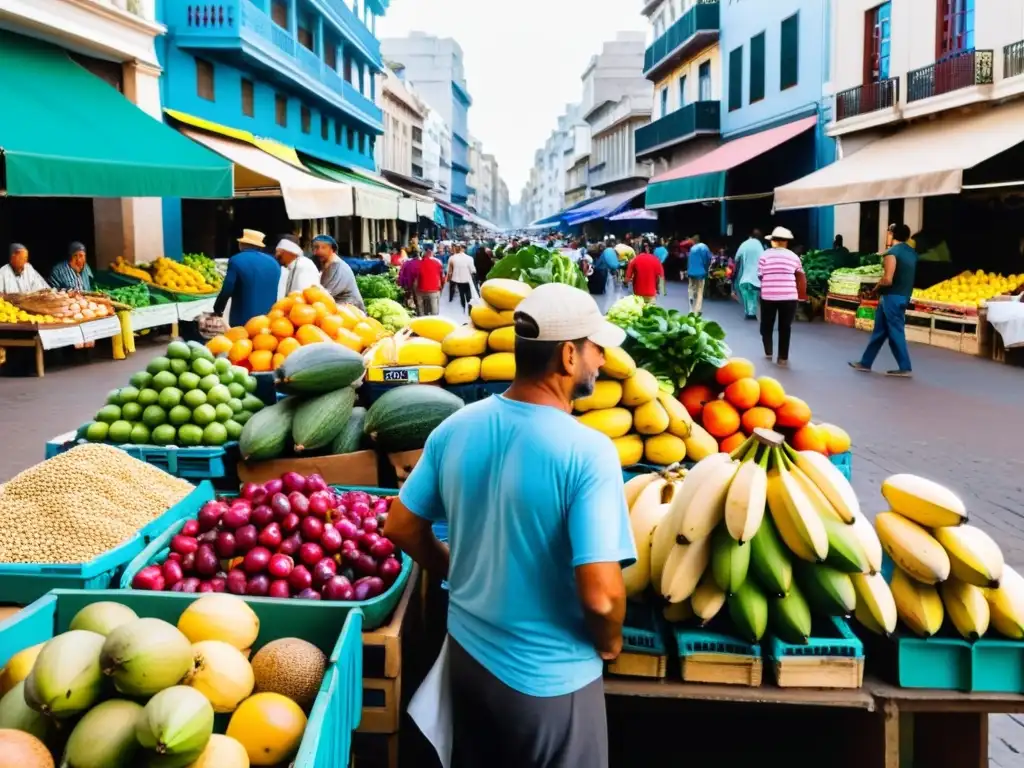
pixel 523 59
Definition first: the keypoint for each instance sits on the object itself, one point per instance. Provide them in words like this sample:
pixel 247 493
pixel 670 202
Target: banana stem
pixel 741 449
pixel 751 455
pixel 789 451
pixel 763 461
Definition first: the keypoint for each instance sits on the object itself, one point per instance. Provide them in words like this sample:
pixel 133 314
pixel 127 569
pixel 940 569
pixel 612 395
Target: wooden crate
pixel 918 326
pixel 821 672
pixel 722 669
pixel 639 665
pixel 956 333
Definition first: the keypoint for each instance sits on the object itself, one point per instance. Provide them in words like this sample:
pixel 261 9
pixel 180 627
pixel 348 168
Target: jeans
pixel 430 302
pixel 786 312
pixel 749 294
pixel 465 292
pixel 889 325
pixel 695 289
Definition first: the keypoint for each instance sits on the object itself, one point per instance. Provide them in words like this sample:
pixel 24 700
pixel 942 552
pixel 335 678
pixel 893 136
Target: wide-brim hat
pixel 252 237
pixel 780 233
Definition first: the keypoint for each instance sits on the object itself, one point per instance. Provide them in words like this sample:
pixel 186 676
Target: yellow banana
pixel 924 501
pixel 912 548
pixel 643 519
pixel 830 482
pixel 707 599
pixel 706 508
pixel 635 485
pixel 967 608
pixel 746 499
pixel 1006 605
pixel 973 556
pixel 676 613
pixel 686 564
pixel 876 608
pixel 868 538
pixel 798 522
pixel 918 605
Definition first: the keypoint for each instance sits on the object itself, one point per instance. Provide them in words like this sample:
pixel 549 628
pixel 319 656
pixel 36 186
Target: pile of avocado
pixel 186 398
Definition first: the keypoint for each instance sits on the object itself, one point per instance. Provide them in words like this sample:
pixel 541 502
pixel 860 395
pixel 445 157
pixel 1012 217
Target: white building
pixel 403 117
pixel 488 183
pixel 437 154
pixel 549 193
pixel 503 215
pixel 577 159
pixel 474 178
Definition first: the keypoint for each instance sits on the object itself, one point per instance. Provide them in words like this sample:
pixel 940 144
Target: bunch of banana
pixel 649 498
pixel 944 567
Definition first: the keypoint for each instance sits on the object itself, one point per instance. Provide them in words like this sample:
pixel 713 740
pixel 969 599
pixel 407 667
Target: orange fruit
pixel 237 333
pixel 772 394
pixel 837 438
pixel 321 310
pixel 793 413
pixel 743 393
pixel 349 339
pixel 261 360
pixel 282 328
pixel 810 438
pixel 240 350
pixel 732 442
pixel 219 345
pixel 277 360
pixel 758 417
pixel 734 368
pixel 367 333
pixel 276 314
pixel 350 315
pixel 302 314
pixel 310 334
pixel 331 324
pixel 257 325
pixel 316 293
pixel 284 305
pixel 265 341
pixel 287 346
pixel 720 419
pixel 694 397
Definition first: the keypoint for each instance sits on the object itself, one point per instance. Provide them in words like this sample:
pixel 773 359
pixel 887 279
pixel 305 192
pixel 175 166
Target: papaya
pixel 316 369
pixel 268 433
pixel 320 419
pixel 351 438
pixel 403 418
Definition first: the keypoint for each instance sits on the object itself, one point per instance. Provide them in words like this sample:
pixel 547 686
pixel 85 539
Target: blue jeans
pixel 749 295
pixel 889 325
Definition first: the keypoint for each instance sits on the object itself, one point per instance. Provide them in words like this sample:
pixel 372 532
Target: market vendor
pixel 251 282
pixel 335 275
pixel 539 536
pixel 298 272
pixel 18 276
pixel 73 274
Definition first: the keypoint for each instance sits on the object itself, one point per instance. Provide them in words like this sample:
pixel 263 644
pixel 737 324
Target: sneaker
pixel 859 367
pixel 782 363
pixel 767 355
pixel 900 374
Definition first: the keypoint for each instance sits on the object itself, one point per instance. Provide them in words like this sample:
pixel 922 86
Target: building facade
pixel 503 213
pixel 474 178
pixel 434 67
pixel 488 188
pixel 577 174
pixel 437 153
pixel 403 116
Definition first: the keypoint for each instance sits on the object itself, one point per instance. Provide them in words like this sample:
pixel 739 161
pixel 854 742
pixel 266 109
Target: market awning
pixel 373 201
pixel 602 208
pixel 637 214
pixel 106 148
pixel 922 160
pixel 258 173
pixel 703 179
pixel 452 208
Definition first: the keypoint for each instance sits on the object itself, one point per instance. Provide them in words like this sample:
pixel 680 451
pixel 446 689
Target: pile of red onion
pixel 289 537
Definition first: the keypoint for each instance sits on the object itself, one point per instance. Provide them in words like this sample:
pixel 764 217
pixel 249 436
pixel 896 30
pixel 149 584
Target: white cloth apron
pixel 431 708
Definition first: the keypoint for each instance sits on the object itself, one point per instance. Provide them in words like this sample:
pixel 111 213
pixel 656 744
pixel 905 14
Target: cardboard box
pixel 403 463
pixel 359 468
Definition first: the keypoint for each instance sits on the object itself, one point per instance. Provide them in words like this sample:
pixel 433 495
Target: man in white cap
pixel 297 271
pixel 539 535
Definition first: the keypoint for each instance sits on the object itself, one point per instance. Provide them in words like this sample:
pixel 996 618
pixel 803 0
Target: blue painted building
pixel 297 71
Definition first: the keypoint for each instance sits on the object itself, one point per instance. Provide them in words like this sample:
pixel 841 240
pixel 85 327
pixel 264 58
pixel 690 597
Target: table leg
pixel 40 368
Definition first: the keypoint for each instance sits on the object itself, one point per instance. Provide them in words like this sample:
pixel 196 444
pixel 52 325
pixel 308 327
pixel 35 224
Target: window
pixel 331 55
pixel 279 13
pixel 248 98
pixel 664 101
pixel 878 25
pixel 305 38
pixel 789 52
pixel 346 64
pixel 954 27
pixel 682 91
pixel 306 119
pixel 704 82
pixel 337 132
pixel 756 68
pixel 351 139
pixel 325 127
pixel 281 110
pixel 204 79
pixel 735 79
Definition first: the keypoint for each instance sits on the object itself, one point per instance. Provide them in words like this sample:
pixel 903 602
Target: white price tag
pixel 151 317
pixel 103 328
pixel 190 310
pixel 55 338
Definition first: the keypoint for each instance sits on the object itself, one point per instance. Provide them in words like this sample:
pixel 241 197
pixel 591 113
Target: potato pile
pixel 76 506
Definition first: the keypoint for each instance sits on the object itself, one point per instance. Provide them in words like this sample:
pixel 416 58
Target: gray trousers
pixel 498 727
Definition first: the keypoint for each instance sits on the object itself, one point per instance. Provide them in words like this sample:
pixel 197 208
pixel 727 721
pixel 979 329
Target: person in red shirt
pixel 429 282
pixel 646 274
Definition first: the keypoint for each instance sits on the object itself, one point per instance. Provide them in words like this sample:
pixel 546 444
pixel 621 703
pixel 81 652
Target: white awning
pixel 922 160
pixel 305 196
pixel 407 209
pixel 425 209
pixel 375 203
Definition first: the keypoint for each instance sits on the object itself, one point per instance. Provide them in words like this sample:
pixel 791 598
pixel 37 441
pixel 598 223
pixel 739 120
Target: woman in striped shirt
pixel 780 271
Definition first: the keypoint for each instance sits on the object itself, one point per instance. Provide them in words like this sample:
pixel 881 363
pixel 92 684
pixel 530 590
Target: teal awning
pixel 66 133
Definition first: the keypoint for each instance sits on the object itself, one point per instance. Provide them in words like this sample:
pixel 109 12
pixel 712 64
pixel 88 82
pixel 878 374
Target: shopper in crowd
pixel 698 261
pixel 531 510
pixel 837 245
pixel 74 273
pixel 746 283
pixel 461 272
pixel 782 284
pixel 252 280
pixel 483 261
pixel 610 266
pixel 408 276
pixel 17 275
pixel 661 251
pixel 899 267
pixel 336 276
pixel 429 281
pixel 646 274
pixel 298 272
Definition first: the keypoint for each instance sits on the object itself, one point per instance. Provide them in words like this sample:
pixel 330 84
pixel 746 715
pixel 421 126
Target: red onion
pixel 382 548
pixel 188 562
pixel 205 586
pixel 299 503
pixel 225 544
pixel 258 586
pixel 279 588
pixel 310 553
pixel 237 581
pixel 365 565
pixel 348 514
pixel 293 481
pixel 368 539
pixel 256 560
pixel 350 557
pixel 320 504
pixel 150 578
pixel 300 578
pixel 174 556
pixel 210 514
pixel 290 546
pixel 312 528
pixel 369 524
pixel 207 537
pixel 380 506
pixel 351 497
pixel 206 561
pixel 191 528
pixel 260 497
pixel 248 489
pixel 290 523
pixel 350 544
pixel 280 566
pixel 261 516
pixel 368 587
pixel 219 583
pixel 270 537
pixel 323 571
pixel 281 506
pixel 389 570
pixel 190 585
pixel 360 508
pixel 236 517
pixel 330 540
pixel 337 588
pixel 273 486
pixel 184 544
pixel 308 594
pixel 178 587
pixel 346 528
pixel 246 538
pixel 315 483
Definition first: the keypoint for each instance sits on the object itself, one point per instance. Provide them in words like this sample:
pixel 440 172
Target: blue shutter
pixel 885 32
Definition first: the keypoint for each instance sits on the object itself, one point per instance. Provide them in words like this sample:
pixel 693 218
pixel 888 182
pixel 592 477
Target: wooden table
pixel 23 335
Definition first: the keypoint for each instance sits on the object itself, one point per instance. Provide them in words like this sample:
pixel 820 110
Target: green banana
pixel 729 560
pixel 790 617
pixel 748 609
pixel 769 561
pixel 845 552
pixel 830 592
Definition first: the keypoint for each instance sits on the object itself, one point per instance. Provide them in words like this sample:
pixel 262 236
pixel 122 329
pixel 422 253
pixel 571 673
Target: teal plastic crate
pixel 831 637
pixel 22 583
pixel 643 630
pixel 713 639
pixel 335 628
pixel 844 461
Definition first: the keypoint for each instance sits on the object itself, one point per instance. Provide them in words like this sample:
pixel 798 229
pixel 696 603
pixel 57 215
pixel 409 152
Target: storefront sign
pixel 55 338
pixel 101 329
pixel 151 317
pixel 190 310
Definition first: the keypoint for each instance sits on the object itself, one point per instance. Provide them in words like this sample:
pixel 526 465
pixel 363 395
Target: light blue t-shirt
pixel 610 259
pixel 529 494
pixel 698 261
pixel 662 253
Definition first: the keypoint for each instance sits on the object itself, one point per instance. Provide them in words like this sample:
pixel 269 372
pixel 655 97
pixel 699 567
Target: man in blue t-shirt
pixel 697 264
pixel 539 533
pixel 661 251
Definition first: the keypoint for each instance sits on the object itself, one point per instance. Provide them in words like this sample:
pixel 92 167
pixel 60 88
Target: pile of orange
pixel 738 402
pixel 300 318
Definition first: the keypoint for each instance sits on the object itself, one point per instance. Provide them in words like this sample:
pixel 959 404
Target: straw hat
pixel 780 233
pixel 252 237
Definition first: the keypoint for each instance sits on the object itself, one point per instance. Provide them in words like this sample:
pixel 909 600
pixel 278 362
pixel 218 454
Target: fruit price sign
pixel 55 338
pixel 156 315
pixel 100 329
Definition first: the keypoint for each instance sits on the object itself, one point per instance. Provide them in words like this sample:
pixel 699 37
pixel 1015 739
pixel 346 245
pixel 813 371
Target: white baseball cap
pixel 564 313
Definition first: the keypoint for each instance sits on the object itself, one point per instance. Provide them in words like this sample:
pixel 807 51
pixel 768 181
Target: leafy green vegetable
pixel 377 287
pixel 388 313
pixel 626 311
pixel 536 265
pixel 674 346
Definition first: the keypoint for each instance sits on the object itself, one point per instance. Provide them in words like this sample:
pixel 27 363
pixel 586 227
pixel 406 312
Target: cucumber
pixel 351 437
pixel 402 419
pixel 317 369
pixel 319 420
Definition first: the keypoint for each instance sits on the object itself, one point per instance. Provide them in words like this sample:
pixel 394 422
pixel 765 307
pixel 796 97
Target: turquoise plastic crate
pixel 643 630
pixel 21 583
pixel 831 637
pixel 844 461
pixel 333 627
pixel 712 639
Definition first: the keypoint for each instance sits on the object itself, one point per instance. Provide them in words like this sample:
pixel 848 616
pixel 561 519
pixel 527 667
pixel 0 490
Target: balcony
pixel 867 98
pixel 951 73
pixel 238 31
pixel 1013 59
pixel 676 127
pixel 692 32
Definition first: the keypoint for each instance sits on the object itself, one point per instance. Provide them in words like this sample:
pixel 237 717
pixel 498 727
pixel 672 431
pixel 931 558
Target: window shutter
pixel 756 68
pixel 789 52
pixel 736 78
